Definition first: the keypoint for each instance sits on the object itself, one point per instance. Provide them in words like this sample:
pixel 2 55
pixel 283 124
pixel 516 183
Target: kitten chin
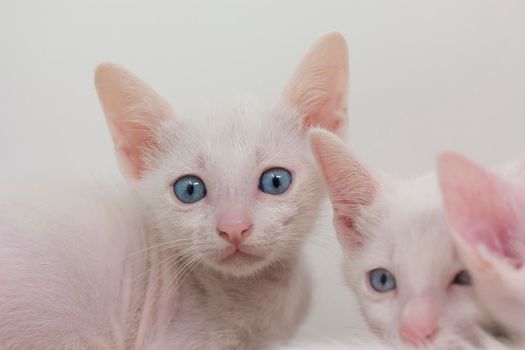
pixel 240 264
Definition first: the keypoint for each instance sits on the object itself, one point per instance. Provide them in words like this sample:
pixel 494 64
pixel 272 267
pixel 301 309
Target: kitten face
pixel 487 214
pixel 235 189
pixel 230 160
pixel 399 258
pixel 407 235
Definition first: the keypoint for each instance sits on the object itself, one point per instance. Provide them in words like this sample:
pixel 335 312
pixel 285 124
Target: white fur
pixel 132 267
pixel 407 234
pixel 69 256
pixel 65 252
pixel 404 230
pixel 238 304
pixel 488 344
pixel 399 226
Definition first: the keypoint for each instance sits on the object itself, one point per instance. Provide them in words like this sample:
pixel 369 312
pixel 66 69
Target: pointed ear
pixel 483 210
pixel 319 85
pixel 133 113
pixel 350 185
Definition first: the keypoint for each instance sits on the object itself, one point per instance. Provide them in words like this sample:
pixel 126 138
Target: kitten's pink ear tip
pixel 106 72
pixel 334 44
pixel 327 147
pixel 320 138
pixel 316 134
pixel 448 161
pixel 333 39
pixel 453 167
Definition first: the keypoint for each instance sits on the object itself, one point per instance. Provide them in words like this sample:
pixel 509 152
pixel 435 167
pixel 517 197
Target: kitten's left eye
pixel 462 278
pixel 189 189
pixel 382 280
pixel 275 181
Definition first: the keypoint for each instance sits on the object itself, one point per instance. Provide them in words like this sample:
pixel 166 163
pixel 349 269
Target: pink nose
pixel 419 321
pixel 419 335
pixel 234 228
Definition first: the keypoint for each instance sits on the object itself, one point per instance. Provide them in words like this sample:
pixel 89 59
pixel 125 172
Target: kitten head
pixel 235 189
pixel 399 259
pixel 487 214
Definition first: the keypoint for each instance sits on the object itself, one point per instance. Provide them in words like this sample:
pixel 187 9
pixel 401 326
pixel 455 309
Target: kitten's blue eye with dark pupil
pixel 381 280
pixel 189 189
pixel 275 181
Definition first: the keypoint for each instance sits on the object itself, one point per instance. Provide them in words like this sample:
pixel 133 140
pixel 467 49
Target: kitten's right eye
pixel 189 189
pixel 381 280
pixel 275 181
pixel 462 278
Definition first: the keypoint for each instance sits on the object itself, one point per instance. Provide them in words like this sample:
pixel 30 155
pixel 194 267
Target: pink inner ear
pixel 319 86
pixel 350 186
pixel 133 112
pixel 481 208
pixel 332 114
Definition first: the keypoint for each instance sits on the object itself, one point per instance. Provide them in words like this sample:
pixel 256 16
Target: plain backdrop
pixel 425 76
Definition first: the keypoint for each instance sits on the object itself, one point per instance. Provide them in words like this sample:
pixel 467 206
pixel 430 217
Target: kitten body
pixel 63 251
pixel 152 265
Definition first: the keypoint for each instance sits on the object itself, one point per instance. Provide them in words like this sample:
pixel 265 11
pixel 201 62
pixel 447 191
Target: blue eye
pixel 275 181
pixel 462 278
pixel 381 280
pixel 189 189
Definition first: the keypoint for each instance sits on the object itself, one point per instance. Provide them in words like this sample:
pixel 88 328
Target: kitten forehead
pixel 230 141
pixel 229 148
pixel 239 124
pixel 412 204
pixel 412 237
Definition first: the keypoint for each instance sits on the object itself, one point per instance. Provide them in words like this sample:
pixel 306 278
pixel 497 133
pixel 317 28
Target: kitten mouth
pixel 238 255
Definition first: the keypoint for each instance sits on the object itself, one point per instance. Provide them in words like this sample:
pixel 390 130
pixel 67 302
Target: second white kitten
pixel 400 261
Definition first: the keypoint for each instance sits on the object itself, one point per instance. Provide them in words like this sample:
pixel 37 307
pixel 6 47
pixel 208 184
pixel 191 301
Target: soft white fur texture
pixel 65 280
pixel 238 304
pixel 86 267
pixel 398 225
pixel 415 243
pixel 488 342
pixel 132 267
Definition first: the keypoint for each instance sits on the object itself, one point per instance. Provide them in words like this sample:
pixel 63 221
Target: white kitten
pixel 399 258
pixel 487 214
pixel 209 257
